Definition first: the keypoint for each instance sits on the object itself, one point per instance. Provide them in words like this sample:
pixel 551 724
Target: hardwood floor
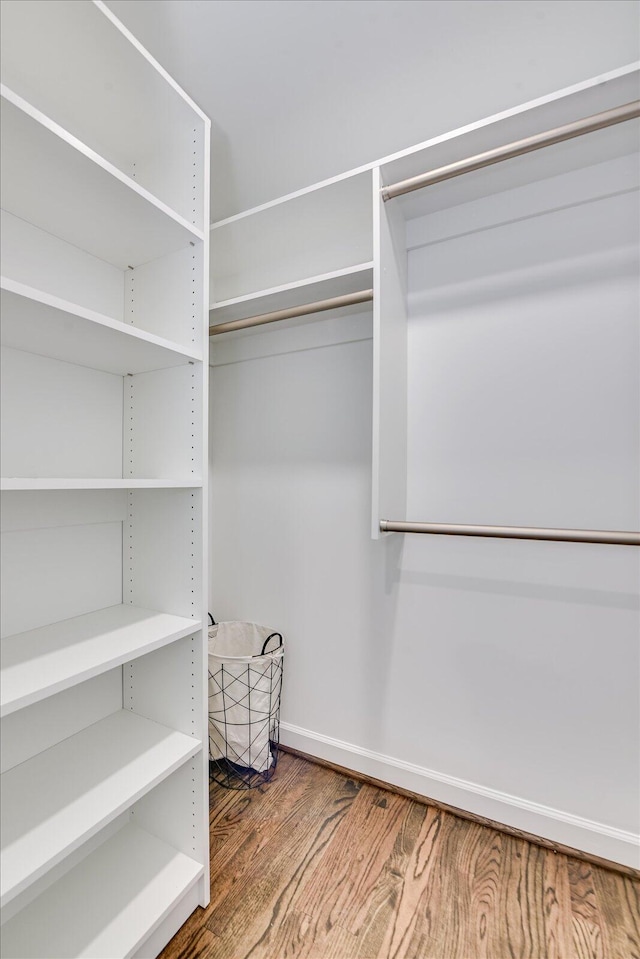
pixel 319 866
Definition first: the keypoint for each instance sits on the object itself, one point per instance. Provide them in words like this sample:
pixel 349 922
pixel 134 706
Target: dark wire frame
pixel 233 769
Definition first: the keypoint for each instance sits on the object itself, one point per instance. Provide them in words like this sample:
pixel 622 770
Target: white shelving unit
pixel 104 292
pixel 339 235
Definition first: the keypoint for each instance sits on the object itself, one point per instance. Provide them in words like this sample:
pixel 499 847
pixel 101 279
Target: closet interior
pixel 379 360
pixel 483 393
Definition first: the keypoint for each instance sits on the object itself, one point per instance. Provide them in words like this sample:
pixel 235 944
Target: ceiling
pixel 300 90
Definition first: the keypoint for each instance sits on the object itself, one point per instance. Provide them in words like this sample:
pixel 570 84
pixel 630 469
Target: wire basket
pixel 245 682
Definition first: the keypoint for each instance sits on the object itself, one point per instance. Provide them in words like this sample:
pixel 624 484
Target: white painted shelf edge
pixel 62 797
pixel 108 904
pixel 123 337
pixel 321 278
pixel 38 117
pixel 44 661
pixel 13 483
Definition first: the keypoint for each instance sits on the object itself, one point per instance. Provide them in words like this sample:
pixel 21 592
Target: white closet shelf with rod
pixel 598 121
pixel 508 151
pixel 305 309
pixel 319 286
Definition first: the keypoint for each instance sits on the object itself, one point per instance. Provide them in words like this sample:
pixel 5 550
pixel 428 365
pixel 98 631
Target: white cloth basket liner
pixel 244 694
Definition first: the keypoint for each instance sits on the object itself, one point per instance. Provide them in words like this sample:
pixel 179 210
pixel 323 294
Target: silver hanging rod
pixel 578 128
pixel 348 299
pixel 613 537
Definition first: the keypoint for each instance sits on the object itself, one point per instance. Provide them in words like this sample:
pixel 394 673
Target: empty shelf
pixel 44 661
pixel 8 483
pixel 105 906
pixel 326 285
pixel 54 181
pixel 37 322
pixel 55 801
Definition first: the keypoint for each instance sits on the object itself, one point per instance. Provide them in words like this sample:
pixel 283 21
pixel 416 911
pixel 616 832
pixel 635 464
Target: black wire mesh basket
pixel 245 683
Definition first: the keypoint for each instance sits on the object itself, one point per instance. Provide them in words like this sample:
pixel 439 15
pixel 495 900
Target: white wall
pixel 299 90
pixel 498 676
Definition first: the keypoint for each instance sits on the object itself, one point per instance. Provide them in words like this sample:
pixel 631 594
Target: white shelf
pixel 317 233
pixel 54 181
pixel 337 283
pixel 107 905
pixel 44 661
pixel 111 94
pixel 57 800
pixel 584 100
pixel 12 483
pixel 37 322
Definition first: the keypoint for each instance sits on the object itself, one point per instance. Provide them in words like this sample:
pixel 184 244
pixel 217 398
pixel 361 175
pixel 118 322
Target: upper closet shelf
pixel 326 285
pixel 108 904
pixel 12 483
pixel 57 800
pixel 582 101
pixel 44 661
pixel 37 322
pixel 51 179
pixel 81 67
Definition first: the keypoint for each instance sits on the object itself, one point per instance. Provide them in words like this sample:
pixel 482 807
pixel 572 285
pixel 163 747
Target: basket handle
pixel 264 647
pixel 213 622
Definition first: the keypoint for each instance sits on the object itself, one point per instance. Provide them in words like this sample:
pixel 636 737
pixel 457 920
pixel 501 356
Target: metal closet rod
pixel 332 303
pixel 578 128
pixel 612 537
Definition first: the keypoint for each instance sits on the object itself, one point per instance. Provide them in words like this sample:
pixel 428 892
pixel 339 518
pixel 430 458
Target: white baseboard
pixel 594 838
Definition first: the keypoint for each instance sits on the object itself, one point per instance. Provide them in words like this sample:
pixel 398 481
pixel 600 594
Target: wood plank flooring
pixel 316 865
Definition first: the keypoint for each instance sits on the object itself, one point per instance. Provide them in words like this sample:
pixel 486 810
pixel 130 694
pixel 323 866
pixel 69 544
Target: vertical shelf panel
pixel 389 468
pixel 162 423
pixel 162 542
pixel 163 295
